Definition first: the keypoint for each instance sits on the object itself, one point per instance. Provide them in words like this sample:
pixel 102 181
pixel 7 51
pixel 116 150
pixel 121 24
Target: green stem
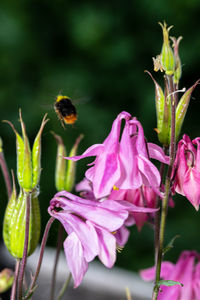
pixel 167 187
pixel 64 287
pixel 14 286
pixel 157 214
pixel 6 174
pixel 44 240
pixel 59 245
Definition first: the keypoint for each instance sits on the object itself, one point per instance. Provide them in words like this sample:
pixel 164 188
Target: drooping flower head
pixel 123 160
pixel 92 228
pixel 187 170
pixel 185 271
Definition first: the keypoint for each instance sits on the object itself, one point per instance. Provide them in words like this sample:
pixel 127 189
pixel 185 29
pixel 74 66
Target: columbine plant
pixel 122 187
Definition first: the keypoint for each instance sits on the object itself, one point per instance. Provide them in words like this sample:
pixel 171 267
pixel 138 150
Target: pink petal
pixel 191 187
pixel 149 171
pixel 107 247
pixel 106 174
pixel 122 236
pixel 156 152
pixel 74 255
pixel 94 150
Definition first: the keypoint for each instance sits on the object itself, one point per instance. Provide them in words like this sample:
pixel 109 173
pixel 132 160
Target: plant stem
pixel 6 174
pixel 167 187
pixel 157 214
pixel 59 245
pixel 14 286
pixel 26 240
pixel 44 240
pixel 64 287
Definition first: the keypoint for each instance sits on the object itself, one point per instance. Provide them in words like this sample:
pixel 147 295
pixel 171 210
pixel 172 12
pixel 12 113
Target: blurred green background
pixel 95 52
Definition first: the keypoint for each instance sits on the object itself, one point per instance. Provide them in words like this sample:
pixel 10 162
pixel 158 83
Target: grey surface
pixel 99 282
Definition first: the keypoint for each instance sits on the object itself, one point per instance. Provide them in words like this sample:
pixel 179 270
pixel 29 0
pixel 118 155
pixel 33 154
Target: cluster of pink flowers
pixel 121 188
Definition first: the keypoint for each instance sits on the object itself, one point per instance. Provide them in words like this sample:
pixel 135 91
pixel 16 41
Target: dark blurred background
pixel 96 53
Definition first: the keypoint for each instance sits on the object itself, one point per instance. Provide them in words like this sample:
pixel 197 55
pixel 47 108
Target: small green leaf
pixel 171 244
pixel 168 283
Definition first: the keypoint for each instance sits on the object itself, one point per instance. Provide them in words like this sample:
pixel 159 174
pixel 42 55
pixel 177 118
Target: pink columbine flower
pixel 187 170
pixel 123 160
pixel 92 229
pixel 184 271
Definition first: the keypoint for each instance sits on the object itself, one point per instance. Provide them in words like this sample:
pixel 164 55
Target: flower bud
pixel 6 280
pixel 163 113
pixel 65 170
pixel 60 164
pixel 178 67
pixel 167 56
pixel 15 223
pixel 28 163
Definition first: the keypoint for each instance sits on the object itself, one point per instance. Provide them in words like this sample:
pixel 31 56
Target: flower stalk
pixel 172 151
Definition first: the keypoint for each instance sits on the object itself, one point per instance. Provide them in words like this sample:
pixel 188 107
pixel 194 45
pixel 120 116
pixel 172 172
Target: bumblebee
pixel 65 110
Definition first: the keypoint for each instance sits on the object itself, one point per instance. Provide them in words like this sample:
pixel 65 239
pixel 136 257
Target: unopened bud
pixel 65 170
pixel 178 67
pixel 15 223
pixel 6 280
pixel 167 56
pixel 28 162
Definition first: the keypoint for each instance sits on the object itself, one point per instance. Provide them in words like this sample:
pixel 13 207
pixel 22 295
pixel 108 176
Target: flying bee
pixel 65 110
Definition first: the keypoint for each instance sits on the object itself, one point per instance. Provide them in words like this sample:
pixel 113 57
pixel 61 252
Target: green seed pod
pixel 71 167
pixel 15 222
pixel 178 67
pixel 36 155
pixel 162 112
pixel 65 170
pixel 167 55
pixel 182 108
pixel 28 163
pixel 60 164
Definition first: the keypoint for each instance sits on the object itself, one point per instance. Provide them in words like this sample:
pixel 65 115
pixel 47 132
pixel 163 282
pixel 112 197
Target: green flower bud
pixel 28 163
pixel 6 280
pixel 15 222
pixel 36 155
pixel 162 112
pixel 178 67
pixel 60 164
pixel 182 108
pixel 167 56
pixel 65 170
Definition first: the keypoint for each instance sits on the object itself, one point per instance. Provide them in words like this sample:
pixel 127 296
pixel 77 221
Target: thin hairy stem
pixel 6 174
pixel 14 286
pixel 64 287
pixel 59 245
pixel 43 244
